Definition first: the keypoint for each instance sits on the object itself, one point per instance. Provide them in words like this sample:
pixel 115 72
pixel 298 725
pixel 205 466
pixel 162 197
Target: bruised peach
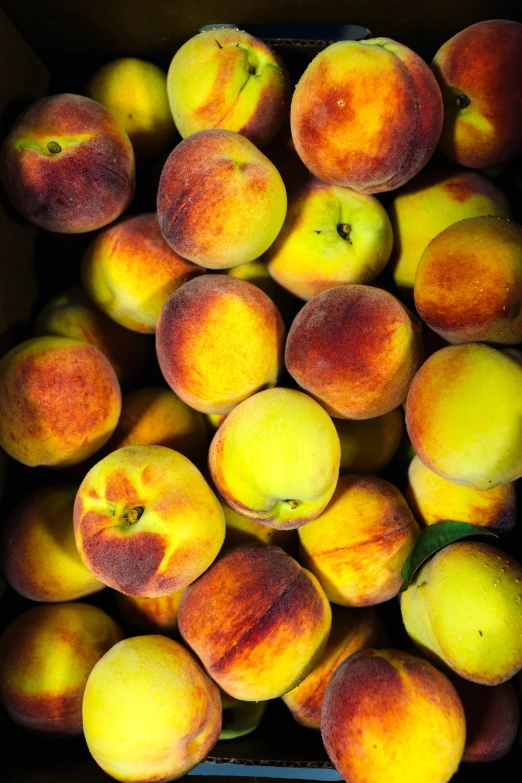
pixel 355 348
pixel 59 401
pixel 67 166
pixel 129 271
pixel 221 202
pixel 242 530
pixel 368 445
pixel 153 615
pixel 366 115
pixel 257 621
pixel 219 340
pixel 46 656
pixel 492 718
pixel 146 522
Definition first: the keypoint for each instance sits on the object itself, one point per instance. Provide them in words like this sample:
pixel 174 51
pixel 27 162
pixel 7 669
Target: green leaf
pixel 432 539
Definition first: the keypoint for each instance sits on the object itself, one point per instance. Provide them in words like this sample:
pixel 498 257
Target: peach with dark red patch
pixel 366 115
pixel 59 401
pixel 67 166
pixel 257 621
pixel 151 615
pixel 46 656
pixel 146 522
pixel 492 718
pixel 355 348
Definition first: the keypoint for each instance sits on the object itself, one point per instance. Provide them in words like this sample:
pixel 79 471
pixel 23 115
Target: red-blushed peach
pixel 146 522
pixel 38 554
pixel 431 202
pixel 226 78
pixel 463 415
pixel 157 417
pixel 479 72
pixel 153 615
pixel 221 202
pixel 129 271
pixel 242 530
pixel 389 716
pixel 46 656
pixel 150 713
pixel 67 166
pixel 59 401
pixel 219 340
pixel 72 314
pixel 366 115
pixel 240 717
pixel 358 545
pixel 368 445
pixel 434 499
pixel 257 621
pixel 355 348
pixel 352 630
pixel 492 718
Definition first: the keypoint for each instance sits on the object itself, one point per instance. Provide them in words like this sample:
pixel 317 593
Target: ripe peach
pixel 492 718
pixel 67 166
pixel 368 445
pixel 153 615
pixel 242 530
pixel 59 401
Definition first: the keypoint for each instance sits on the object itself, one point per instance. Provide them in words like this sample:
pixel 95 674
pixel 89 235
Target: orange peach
pixel 46 656
pixel 221 202
pixel 59 401
pixel 242 530
pixel 153 615
pixel 219 340
pixel 492 718
pixel 257 621
pixel 366 115
pixel 67 166
pixel 129 271
pixel 355 348
pixel 368 445
pixel 146 522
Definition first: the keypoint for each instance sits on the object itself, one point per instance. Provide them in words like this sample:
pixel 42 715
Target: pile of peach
pixel 236 513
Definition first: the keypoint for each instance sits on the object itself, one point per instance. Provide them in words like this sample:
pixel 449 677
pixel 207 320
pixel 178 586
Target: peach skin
pixel 166 710
pixel 479 72
pixel 129 271
pixel 257 621
pixel 146 522
pixel 358 545
pixel 392 716
pixel 368 445
pixel 434 499
pixel 219 340
pixel 352 630
pixel 221 202
pixel 151 615
pixel 38 554
pixel 366 115
pixel 492 718
pixel 67 166
pixel 463 415
pixel 59 401
pixel 364 368
pixel 46 656
pixel 242 530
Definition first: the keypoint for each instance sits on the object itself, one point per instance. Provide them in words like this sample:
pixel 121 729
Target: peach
pixel 257 621
pixel 357 546
pixel 46 656
pixel 366 115
pixel 59 401
pixel 221 202
pixel 150 713
pixel 219 340
pixel 153 615
pixel 434 499
pixel 492 718
pixel 463 415
pixel 256 272
pixel 157 417
pixel 226 78
pixel 352 630
pixel 355 348
pixel 392 716
pixel 135 93
pixel 146 522
pixel 242 530
pixel 67 166
pixel 479 72
pixel 72 314
pixel 129 271
pixel 468 286
pixel 38 552
pixel 368 445
pixel 431 202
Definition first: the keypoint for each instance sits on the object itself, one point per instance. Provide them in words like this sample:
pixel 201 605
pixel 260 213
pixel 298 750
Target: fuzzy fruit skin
pixel 257 621
pixel 88 183
pixel 168 712
pixel 492 719
pixel 368 445
pixel 392 716
pixel 46 656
